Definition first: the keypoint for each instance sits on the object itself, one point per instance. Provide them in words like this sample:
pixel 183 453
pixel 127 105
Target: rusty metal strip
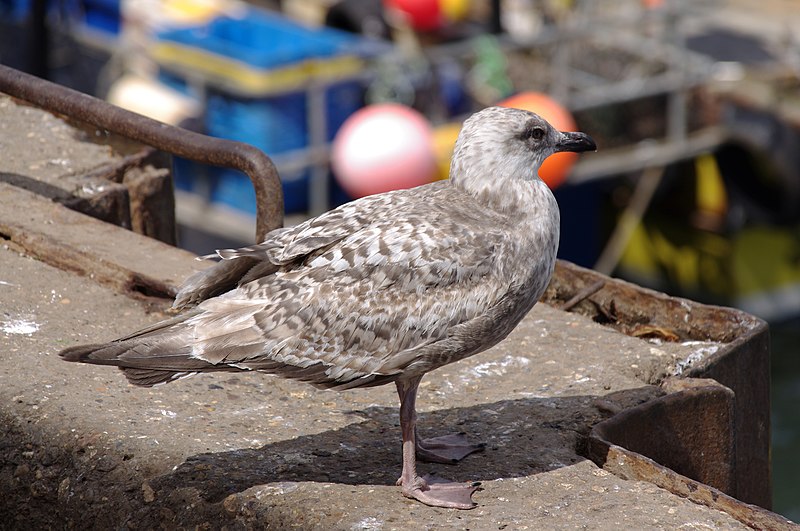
pixel 187 144
pixel 697 419
pixel 683 442
pixel 632 466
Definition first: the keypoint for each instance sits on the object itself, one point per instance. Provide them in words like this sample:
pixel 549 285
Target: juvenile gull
pixel 383 289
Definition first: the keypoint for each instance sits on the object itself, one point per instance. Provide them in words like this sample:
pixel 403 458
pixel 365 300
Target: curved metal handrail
pixel 197 147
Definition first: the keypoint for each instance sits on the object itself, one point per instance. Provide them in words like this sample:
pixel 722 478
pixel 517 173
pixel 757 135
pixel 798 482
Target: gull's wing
pixel 283 246
pixel 363 307
pixel 357 311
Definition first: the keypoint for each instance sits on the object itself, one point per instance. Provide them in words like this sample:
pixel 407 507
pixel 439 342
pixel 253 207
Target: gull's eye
pixel 534 133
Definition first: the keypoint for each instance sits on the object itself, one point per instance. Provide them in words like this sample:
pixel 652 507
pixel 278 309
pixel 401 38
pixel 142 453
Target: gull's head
pixel 500 143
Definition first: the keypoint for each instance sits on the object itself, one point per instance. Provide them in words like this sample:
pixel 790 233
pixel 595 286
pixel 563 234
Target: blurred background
pixel 695 107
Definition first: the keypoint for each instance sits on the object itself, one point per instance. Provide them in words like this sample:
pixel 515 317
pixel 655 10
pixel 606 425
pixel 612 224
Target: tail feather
pixel 108 354
pixel 133 354
pixel 160 328
pixel 160 353
pixel 97 354
pixel 139 368
pixel 150 377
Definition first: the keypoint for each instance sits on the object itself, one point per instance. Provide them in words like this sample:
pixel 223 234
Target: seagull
pixel 383 289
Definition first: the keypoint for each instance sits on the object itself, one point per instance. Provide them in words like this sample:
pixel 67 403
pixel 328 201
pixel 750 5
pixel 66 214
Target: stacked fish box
pixel 256 70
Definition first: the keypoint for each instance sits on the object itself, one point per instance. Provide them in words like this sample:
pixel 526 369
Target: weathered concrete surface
pixel 116 180
pixel 48 151
pixel 72 241
pixel 81 447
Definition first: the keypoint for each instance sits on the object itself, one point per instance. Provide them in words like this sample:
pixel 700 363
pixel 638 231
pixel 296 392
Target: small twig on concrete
pixel 585 293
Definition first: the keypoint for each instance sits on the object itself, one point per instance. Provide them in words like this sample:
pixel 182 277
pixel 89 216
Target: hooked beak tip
pixel 576 142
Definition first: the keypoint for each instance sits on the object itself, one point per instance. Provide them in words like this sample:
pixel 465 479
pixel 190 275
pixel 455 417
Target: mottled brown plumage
pixel 383 289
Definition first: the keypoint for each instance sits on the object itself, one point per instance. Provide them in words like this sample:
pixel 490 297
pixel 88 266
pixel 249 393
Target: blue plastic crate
pixel 184 174
pixel 257 67
pixel 234 189
pixel 264 40
pixel 278 123
pixel 274 125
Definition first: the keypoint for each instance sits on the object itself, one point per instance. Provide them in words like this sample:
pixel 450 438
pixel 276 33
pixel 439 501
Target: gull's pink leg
pixel 430 491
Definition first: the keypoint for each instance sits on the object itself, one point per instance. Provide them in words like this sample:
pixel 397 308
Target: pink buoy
pixel 383 147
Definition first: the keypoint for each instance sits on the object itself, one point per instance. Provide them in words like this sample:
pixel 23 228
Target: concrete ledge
pixel 81 447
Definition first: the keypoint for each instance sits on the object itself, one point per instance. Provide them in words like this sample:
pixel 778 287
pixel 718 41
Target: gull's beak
pixel 575 142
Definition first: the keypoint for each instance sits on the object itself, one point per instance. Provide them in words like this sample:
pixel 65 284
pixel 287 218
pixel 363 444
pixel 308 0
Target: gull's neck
pixel 501 183
pixel 515 190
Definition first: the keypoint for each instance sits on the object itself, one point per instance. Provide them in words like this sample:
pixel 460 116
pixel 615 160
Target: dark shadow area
pixel 524 437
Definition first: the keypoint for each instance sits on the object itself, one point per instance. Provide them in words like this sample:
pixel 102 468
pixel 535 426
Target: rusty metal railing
pixel 200 148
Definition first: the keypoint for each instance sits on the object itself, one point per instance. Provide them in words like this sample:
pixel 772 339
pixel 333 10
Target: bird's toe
pixel 438 492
